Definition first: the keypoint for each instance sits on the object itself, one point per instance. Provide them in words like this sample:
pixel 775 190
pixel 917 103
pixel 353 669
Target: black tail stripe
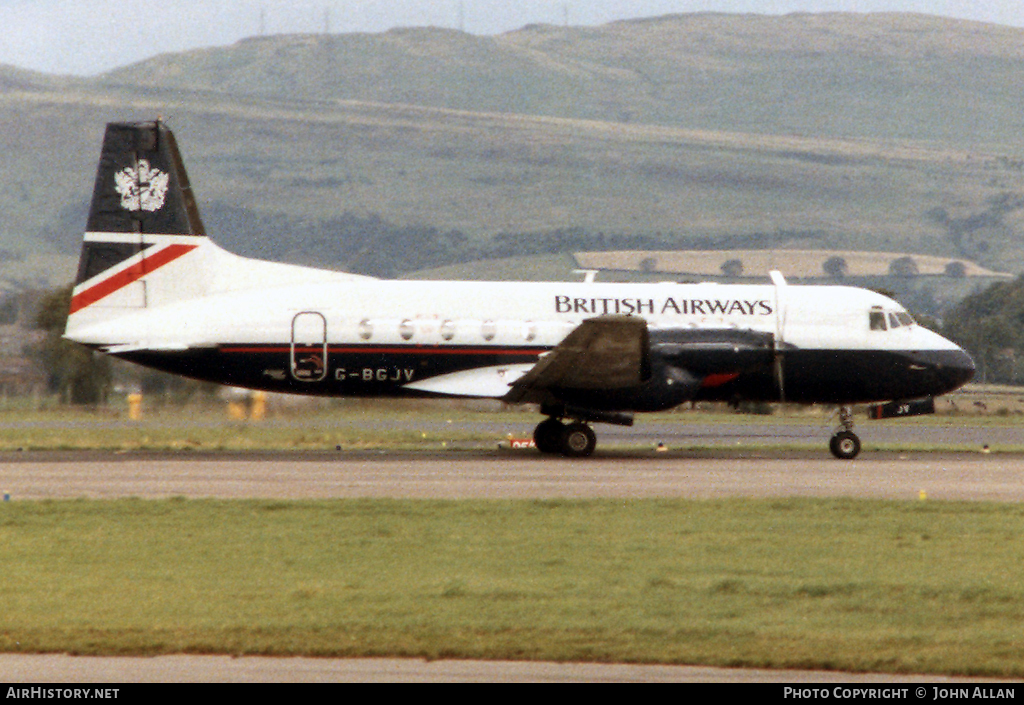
pixel 98 257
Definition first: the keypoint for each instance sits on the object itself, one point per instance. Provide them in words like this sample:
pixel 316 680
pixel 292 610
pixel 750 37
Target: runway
pixel 61 668
pixel 512 475
pixel 477 474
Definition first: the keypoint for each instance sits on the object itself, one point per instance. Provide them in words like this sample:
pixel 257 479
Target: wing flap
pixel 491 382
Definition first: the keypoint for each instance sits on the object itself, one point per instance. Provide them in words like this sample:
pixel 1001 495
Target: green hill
pixel 884 76
pixel 897 133
pixel 891 76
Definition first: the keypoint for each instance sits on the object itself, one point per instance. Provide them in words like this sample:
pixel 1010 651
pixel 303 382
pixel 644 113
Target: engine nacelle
pixel 678 362
pixel 666 386
pixel 715 351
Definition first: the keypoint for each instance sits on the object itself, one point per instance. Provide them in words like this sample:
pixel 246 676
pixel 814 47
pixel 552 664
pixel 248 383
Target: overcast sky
pixel 91 36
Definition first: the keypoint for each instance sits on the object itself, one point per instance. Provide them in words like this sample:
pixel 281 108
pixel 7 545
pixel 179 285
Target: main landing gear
pixel 573 440
pixel 845 444
pixel 578 440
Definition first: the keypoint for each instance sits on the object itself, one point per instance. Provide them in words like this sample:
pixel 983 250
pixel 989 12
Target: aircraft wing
pixel 607 352
pixel 490 382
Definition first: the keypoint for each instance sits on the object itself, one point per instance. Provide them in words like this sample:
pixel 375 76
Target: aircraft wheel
pixel 548 436
pixel 845 445
pixel 578 440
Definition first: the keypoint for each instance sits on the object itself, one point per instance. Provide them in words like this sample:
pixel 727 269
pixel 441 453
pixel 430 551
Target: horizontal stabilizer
pixel 138 347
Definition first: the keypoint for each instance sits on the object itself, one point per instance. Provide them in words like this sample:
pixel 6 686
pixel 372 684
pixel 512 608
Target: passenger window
pixel 877 320
pixel 406 329
pixel 893 323
pixel 448 330
pixel 365 329
pixel 489 330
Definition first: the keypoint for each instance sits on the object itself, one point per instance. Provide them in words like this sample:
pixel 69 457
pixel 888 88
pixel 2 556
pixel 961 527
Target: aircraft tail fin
pixel 141 184
pixel 145 243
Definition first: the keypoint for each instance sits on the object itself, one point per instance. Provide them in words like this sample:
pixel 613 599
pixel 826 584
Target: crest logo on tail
pixel 144 188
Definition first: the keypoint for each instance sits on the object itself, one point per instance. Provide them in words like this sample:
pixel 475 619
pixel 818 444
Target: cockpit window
pixel 905 318
pixel 888 320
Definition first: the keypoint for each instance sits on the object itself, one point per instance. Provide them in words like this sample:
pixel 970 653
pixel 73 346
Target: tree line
pixel 989 324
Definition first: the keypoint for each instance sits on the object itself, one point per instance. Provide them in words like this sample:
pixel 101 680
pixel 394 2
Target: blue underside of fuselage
pixel 808 376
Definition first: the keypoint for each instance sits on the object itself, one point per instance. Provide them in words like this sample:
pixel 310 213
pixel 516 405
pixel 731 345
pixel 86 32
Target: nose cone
pixel 958 370
pixel 944 370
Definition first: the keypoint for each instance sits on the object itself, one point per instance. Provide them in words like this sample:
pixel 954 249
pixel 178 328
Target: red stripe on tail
pixel 126 276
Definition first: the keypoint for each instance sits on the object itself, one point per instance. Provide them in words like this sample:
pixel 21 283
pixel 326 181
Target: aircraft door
pixel 309 347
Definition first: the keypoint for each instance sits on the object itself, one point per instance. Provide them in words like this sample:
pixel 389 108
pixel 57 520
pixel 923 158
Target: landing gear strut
pixel 845 444
pixel 575 440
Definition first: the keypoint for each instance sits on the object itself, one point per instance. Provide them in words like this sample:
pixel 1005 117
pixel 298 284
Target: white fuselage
pixel 500 314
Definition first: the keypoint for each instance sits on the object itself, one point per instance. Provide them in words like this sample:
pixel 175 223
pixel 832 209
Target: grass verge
pixel 859 585
pixel 408 425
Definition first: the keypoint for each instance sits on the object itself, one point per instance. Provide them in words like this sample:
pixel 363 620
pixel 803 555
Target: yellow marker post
pixel 135 406
pixel 259 406
pixel 236 411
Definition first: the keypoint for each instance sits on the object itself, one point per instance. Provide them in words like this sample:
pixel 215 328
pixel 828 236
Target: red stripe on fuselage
pixel 137 271
pixel 396 350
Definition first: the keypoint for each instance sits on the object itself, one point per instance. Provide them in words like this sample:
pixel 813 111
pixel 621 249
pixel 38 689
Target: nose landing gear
pixel 845 444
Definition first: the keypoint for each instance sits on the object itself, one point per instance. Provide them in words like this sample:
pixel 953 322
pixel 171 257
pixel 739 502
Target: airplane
pixel 153 289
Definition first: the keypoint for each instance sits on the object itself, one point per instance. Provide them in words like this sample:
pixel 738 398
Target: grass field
pixel 926 587
pixel 859 585
pixel 225 436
